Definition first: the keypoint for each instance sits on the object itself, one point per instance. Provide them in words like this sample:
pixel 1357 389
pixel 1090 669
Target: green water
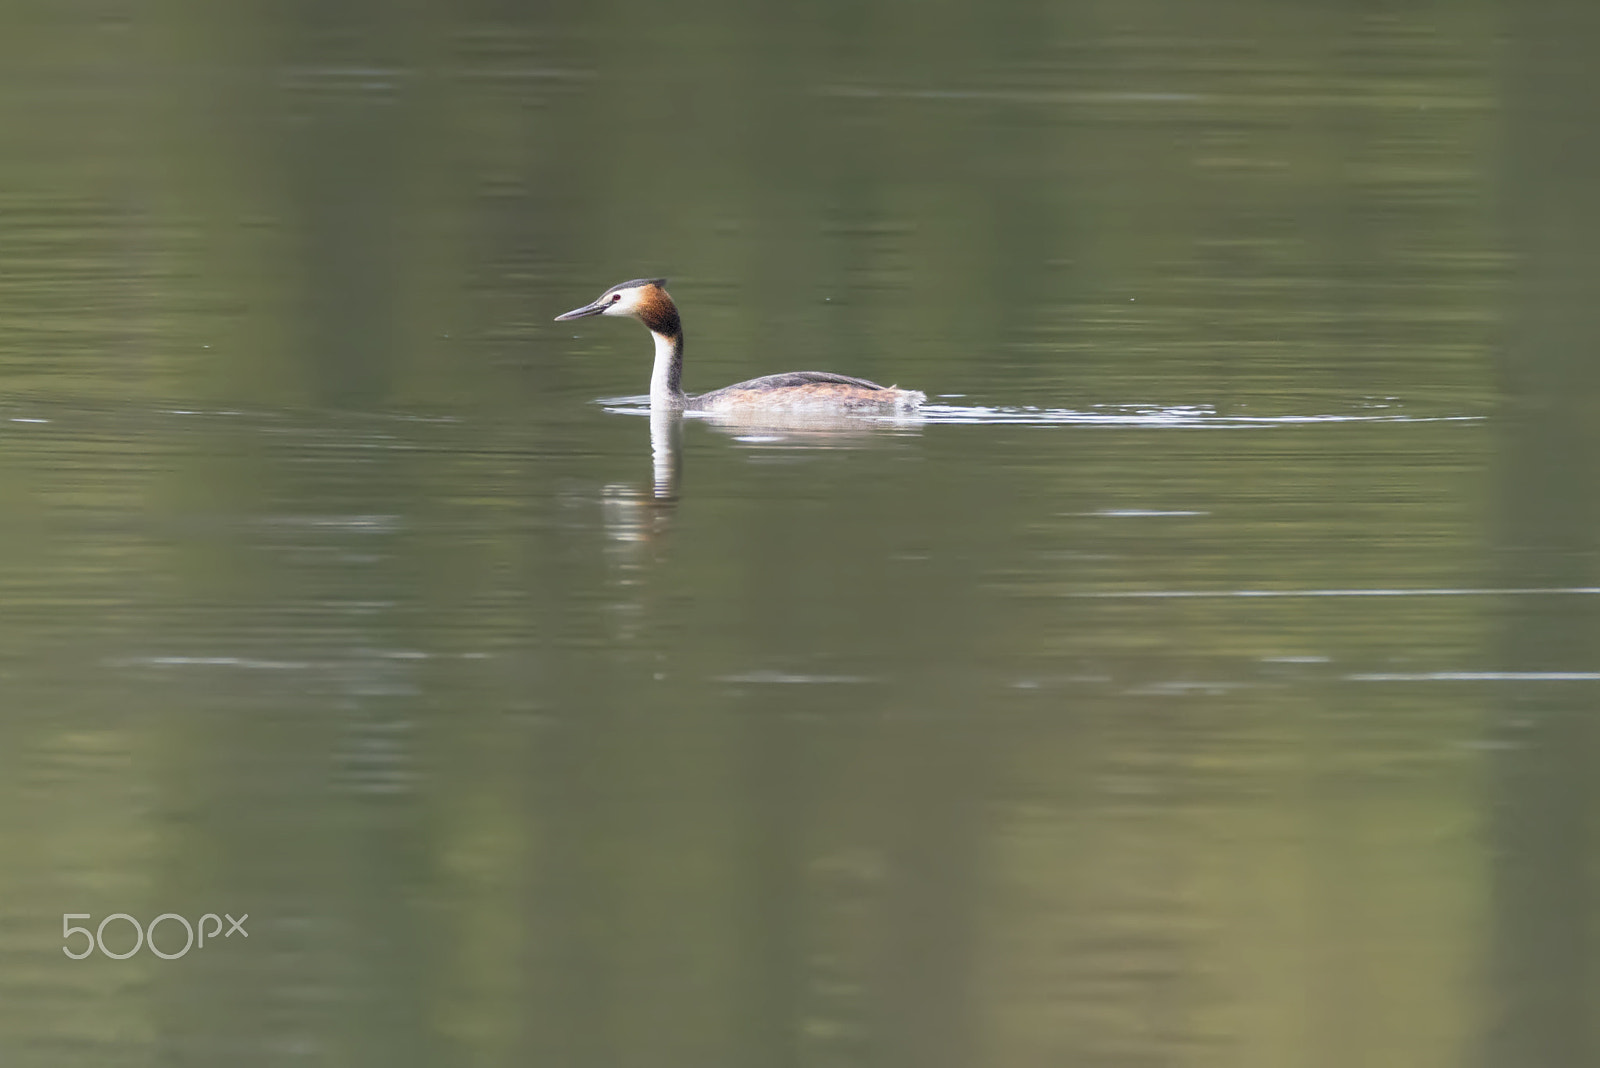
pixel 1207 681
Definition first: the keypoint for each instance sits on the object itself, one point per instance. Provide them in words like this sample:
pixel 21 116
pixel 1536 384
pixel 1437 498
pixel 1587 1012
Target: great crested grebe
pixel 646 300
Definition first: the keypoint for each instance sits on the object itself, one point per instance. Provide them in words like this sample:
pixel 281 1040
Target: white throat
pixel 665 385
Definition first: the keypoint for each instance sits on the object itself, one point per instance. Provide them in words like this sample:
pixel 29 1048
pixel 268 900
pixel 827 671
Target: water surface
pixel 1203 679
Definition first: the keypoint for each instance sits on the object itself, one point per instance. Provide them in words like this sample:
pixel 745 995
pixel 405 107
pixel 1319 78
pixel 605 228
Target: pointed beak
pixel 584 312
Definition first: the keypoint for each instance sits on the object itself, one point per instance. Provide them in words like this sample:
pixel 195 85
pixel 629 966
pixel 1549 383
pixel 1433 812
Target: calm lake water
pixel 1207 679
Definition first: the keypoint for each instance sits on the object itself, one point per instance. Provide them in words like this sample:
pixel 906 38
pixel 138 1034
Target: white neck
pixel 665 386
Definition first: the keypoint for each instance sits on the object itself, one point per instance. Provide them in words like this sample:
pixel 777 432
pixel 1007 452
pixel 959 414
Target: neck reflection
pixel 666 453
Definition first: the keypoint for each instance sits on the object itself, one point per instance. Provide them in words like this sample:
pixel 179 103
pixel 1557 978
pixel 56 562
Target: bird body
pixel 646 299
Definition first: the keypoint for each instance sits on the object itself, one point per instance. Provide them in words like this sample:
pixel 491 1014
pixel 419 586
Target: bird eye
pixel 615 297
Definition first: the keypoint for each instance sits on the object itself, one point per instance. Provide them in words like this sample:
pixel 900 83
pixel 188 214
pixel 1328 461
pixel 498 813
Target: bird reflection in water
pixel 636 517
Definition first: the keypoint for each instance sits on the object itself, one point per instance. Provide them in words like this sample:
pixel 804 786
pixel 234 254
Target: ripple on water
pixel 780 678
pixel 1122 415
pixel 1476 676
